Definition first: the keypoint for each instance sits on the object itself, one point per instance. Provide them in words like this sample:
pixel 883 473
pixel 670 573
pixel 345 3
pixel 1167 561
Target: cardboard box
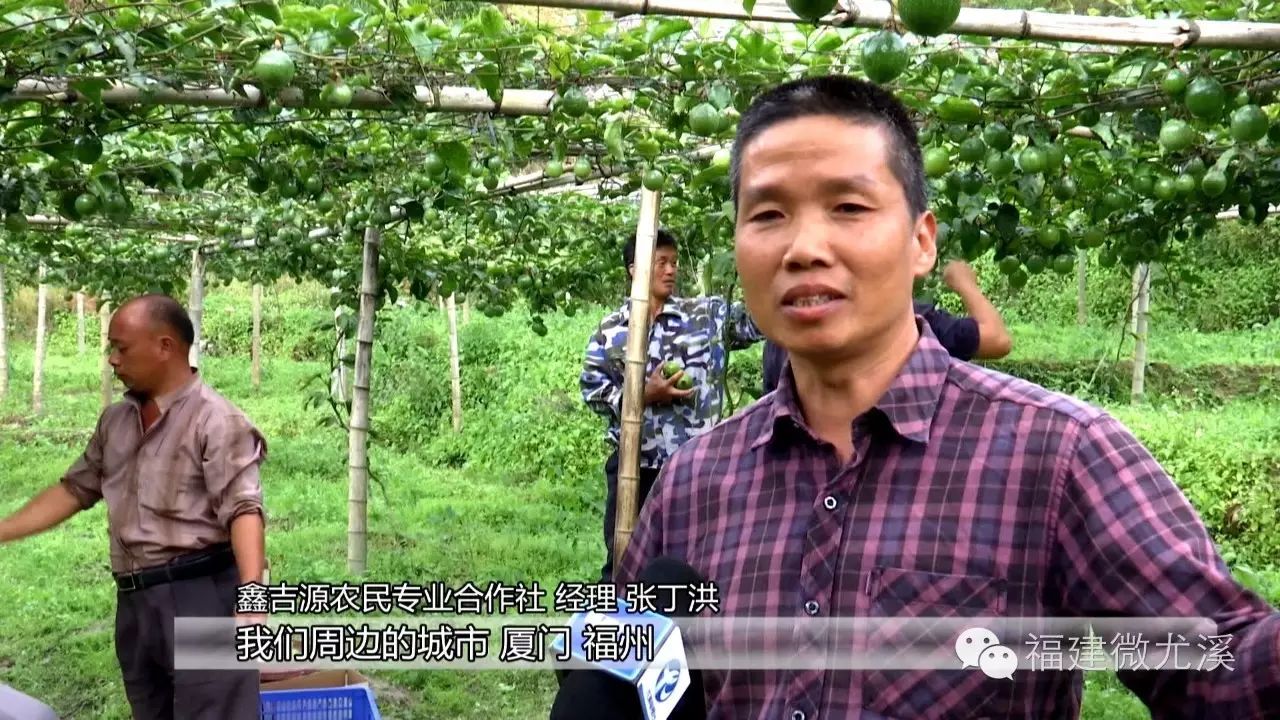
pixel 307 679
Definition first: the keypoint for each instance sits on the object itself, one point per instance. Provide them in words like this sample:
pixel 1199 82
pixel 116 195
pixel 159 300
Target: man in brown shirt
pixel 177 465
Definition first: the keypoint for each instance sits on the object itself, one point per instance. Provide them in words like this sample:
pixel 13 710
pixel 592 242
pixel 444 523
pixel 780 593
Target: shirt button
pixel 797 715
pixel 811 607
pixel 830 502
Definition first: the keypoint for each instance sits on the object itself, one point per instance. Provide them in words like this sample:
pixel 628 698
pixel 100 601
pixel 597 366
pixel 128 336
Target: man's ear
pixel 924 249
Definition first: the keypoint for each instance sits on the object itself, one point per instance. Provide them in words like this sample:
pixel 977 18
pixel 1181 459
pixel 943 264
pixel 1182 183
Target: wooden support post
pixel 455 364
pixel 256 347
pixel 358 449
pixel 4 341
pixel 196 303
pixel 1170 32
pixel 42 331
pixel 1082 298
pixel 637 359
pixel 80 323
pixel 338 382
pixel 105 375
pixel 1142 304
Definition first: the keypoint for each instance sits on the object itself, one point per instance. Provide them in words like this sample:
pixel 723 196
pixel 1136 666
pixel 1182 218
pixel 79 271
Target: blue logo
pixel 670 679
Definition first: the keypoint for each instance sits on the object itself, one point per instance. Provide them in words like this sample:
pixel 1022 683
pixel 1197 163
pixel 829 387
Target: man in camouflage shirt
pixel 692 332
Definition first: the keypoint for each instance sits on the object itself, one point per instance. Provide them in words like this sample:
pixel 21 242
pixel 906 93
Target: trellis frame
pixel 1177 33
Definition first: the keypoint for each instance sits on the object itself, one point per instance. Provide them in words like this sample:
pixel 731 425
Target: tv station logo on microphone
pixel 668 681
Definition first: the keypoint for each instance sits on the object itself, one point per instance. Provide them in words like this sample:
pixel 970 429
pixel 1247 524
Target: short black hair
pixel 662 239
pixel 167 312
pixel 852 99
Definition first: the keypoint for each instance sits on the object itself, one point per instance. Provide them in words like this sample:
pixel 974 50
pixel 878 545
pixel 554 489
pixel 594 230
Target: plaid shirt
pixel 971 493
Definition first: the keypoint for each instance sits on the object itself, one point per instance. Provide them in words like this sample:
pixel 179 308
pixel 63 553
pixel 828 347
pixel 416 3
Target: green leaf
pixel 91 88
pixel 126 50
pixel 1106 131
pixel 665 29
pixel 456 157
pixel 748 6
pixel 413 209
pixel 491 22
pixel 1225 160
pixel 1031 187
pixel 423 46
pixel 1006 220
pixel 959 83
pixel 345 37
pixel 266 8
pixel 720 96
pixel 490 78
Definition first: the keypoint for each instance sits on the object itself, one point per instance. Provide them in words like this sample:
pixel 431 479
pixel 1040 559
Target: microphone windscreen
pixel 666 570
pixel 595 695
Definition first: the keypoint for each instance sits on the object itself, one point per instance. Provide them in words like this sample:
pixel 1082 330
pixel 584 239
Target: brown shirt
pixel 176 487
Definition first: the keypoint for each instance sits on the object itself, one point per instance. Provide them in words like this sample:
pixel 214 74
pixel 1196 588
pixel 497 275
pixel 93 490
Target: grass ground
pixel 432 522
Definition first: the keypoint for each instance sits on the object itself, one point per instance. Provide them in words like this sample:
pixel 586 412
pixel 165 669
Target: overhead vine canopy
pixel 264 121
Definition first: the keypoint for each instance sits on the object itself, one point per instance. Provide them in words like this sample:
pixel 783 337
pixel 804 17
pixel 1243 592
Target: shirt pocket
pixel 899 594
pixel 170 483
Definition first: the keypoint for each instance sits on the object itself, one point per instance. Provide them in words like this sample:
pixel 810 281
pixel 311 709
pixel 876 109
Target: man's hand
pixel 51 507
pixel 959 276
pixel 994 341
pixel 659 390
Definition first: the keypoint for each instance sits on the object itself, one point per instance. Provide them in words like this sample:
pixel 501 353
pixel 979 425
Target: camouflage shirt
pixel 690 331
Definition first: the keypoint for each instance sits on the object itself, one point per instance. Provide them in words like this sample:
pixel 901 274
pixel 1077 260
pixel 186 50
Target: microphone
pixel 635 688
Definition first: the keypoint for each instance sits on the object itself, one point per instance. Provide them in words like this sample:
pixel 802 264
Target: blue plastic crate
pixel 352 702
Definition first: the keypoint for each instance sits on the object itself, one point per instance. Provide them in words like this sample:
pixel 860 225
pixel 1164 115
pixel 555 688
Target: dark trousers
pixel 647 478
pixel 144 647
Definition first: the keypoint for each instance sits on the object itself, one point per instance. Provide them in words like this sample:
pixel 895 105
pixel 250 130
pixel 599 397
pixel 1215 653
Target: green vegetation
pixel 516 496
pixel 1034 151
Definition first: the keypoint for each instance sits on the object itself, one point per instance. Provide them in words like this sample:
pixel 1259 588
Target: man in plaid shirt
pixel 886 479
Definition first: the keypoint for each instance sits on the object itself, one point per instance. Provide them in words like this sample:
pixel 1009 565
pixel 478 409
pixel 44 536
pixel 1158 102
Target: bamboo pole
pixel 514 101
pixel 42 329
pixel 256 347
pixel 48 222
pixel 1020 24
pixel 1082 301
pixel 1133 300
pixel 338 383
pixel 536 181
pixel 80 323
pixel 1142 278
pixel 637 359
pixel 539 182
pixel 1234 213
pixel 104 360
pixel 4 341
pixel 455 364
pixel 196 304
pixel 358 438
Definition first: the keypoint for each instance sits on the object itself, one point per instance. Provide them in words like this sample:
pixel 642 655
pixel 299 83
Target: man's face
pixel 662 279
pixel 139 351
pixel 826 245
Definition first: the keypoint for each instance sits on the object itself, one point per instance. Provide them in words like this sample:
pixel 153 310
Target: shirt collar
pixel 164 402
pixel 909 403
pixel 673 306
